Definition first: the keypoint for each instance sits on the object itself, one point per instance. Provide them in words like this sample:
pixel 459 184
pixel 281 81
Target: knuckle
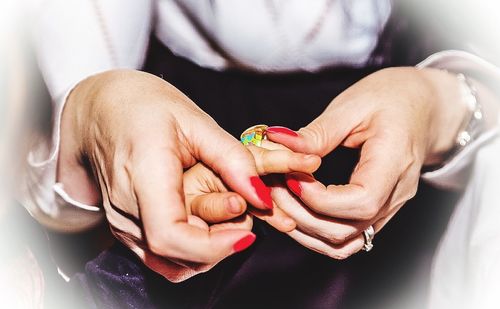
pixel 339 254
pixel 207 211
pixel 340 237
pixel 263 161
pixel 290 159
pixel 158 245
pixel 335 235
pixel 329 236
pixel 414 185
pixel 411 194
pixel 315 136
pixel 369 212
pixel 237 153
pixel 369 208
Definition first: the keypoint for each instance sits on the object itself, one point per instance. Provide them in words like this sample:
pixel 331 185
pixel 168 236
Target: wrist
pixel 448 112
pixel 73 167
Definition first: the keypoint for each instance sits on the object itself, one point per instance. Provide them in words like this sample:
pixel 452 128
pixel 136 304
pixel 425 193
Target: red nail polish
pixel 294 185
pixel 282 130
pixel 263 192
pixel 244 243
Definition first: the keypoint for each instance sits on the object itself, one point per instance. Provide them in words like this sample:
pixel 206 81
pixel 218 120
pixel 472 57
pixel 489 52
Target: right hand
pixel 131 135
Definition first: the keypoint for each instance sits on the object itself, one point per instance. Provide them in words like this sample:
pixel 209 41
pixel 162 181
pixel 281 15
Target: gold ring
pixel 254 135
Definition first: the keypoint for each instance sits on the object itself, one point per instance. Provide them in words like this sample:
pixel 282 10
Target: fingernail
pixel 263 192
pixel 294 185
pixel 244 243
pixel 281 130
pixel 234 205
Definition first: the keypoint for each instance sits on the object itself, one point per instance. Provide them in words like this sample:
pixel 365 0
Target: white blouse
pixel 263 35
pixel 78 38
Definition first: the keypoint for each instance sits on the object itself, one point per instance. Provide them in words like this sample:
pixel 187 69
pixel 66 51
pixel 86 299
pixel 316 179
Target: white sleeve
pixel 74 40
pixel 466 266
pixel 453 174
pixel 77 38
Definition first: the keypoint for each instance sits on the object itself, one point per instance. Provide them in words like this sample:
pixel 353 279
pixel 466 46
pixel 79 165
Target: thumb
pixel 319 137
pixel 218 207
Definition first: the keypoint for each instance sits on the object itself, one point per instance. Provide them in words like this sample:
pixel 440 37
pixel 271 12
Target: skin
pixel 126 139
pixel 128 136
pixel 402 119
pixel 213 207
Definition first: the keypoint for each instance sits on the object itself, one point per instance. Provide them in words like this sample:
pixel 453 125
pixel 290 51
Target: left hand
pixel 401 118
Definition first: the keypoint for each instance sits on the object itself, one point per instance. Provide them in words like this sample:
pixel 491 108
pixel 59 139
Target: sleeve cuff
pixel 454 174
pixel 40 193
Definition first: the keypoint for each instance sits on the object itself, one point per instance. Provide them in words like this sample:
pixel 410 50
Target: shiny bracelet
pixel 473 124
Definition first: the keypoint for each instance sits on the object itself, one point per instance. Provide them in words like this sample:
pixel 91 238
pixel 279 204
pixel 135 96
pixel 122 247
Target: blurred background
pixel 24 115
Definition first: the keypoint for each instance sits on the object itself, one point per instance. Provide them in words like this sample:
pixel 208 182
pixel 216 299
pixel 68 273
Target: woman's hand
pixel 401 118
pixel 212 207
pixel 209 199
pixel 126 137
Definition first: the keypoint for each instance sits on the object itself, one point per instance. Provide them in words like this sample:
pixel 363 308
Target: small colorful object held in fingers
pixel 254 135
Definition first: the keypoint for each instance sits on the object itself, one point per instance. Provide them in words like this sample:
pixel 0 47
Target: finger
pixel 233 162
pixel 218 206
pixel 189 243
pixel 157 184
pixel 338 252
pixel 276 218
pixel 267 144
pixel 283 161
pixel 332 230
pixel 244 222
pixel 319 137
pixel 370 186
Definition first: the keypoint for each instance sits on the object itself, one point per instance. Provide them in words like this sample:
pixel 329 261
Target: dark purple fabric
pixel 117 279
pixel 114 280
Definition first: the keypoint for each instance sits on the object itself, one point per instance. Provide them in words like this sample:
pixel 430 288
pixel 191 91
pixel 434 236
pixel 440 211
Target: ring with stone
pixel 254 135
pixel 368 234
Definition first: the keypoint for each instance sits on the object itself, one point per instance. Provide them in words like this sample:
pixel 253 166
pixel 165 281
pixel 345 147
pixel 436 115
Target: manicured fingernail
pixel 294 185
pixel 281 130
pixel 263 192
pixel 244 243
pixel 234 205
